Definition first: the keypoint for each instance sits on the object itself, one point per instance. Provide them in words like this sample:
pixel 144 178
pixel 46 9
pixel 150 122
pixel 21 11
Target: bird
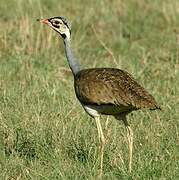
pixel 103 91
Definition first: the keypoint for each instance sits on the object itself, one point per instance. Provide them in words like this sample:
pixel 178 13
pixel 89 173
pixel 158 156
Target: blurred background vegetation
pixel 44 132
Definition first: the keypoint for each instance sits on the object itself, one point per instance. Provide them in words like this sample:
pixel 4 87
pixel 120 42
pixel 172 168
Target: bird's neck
pixel 74 65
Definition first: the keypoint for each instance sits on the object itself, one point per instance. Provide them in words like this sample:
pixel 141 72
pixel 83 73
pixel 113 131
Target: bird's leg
pixel 107 122
pixel 102 143
pixel 130 142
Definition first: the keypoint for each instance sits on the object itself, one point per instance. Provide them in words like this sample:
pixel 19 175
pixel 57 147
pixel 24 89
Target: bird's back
pixel 112 87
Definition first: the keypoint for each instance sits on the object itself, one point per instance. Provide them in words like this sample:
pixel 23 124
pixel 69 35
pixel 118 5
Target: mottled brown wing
pixel 111 86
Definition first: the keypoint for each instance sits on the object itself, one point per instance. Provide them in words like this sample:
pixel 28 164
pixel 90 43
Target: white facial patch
pixel 59 26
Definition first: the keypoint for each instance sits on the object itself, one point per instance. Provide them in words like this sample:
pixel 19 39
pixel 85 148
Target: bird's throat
pixel 74 65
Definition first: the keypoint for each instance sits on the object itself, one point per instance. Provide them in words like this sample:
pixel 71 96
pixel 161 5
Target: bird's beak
pixel 44 21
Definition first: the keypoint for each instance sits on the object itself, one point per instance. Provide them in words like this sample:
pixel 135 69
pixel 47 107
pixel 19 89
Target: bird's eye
pixel 56 22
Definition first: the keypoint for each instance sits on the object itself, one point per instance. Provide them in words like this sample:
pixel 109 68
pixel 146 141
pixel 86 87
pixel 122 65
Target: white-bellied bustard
pixel 107 91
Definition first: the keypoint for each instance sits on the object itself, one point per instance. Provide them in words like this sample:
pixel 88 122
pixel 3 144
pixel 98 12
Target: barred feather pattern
pixel 112 87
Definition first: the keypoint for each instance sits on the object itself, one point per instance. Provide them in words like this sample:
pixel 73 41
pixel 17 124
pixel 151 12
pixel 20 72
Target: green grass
pixel 44 132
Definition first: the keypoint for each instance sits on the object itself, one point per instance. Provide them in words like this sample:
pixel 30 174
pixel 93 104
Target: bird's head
pixel 60 25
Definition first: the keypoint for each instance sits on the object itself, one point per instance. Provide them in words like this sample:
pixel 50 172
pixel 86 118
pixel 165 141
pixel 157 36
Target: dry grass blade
pixel 104 45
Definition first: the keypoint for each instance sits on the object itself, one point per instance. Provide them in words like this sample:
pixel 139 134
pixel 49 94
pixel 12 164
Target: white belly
pixel 96 110
pixel 92 111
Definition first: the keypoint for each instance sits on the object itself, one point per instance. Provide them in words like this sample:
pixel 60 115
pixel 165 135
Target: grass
pixel 44 132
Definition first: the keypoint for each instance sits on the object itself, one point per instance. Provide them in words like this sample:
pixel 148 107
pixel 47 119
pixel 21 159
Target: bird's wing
pixel 111 86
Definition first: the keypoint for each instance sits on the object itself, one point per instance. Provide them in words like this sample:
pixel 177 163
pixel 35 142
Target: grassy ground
pixel 44 132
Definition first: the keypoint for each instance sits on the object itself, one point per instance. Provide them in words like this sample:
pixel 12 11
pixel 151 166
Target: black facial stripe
pixel 61 18
pixel 66 24
pixel 55 25
pixel 63 36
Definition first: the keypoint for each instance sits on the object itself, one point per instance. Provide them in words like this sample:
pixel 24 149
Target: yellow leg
pixel 130 142
pixel 107 122
pixel 102 143
pixel 129 137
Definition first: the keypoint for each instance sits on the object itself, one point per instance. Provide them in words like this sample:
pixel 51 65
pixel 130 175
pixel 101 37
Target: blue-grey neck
pixel 73 63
